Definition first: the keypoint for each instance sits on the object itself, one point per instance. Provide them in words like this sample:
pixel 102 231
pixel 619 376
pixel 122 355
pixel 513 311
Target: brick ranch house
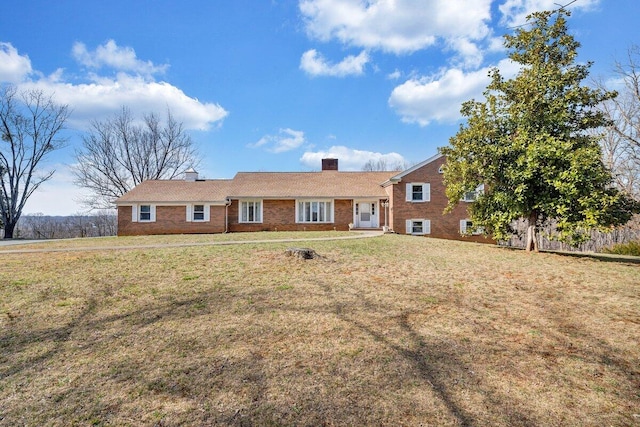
pixel 410 202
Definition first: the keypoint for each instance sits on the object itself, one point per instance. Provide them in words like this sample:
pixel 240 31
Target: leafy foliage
pixel 529 144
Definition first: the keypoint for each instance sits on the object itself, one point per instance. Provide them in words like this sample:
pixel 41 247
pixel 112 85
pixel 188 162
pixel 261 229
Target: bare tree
pixel 30 123
pixel 621 140
pixel 382 165
pixel 117 154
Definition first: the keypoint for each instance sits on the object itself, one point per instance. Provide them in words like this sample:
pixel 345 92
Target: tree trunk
pixel 8 229
pixel 531 243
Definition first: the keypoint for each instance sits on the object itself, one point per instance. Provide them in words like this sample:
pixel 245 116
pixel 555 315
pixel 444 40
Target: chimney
pixel 190 175
pixel 329 164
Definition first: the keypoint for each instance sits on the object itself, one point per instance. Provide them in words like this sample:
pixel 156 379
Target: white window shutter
pixel 426 192
pixel 153 213
pixel 409 195
pixel 426 226
pixel 134 213
pixel 463 226
pixel 409 225
pixel 189 210
pixel 207 213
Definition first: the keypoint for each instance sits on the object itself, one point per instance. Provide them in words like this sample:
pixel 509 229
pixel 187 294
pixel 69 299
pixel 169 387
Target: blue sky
pixel 275 85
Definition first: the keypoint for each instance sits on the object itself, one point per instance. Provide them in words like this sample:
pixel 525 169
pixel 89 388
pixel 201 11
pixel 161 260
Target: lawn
pixel 393 330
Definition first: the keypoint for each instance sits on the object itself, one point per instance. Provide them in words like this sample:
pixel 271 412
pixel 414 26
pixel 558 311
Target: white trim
pixel 426 226
pixel 477 192
pixel 463 228
pixel 136 209
pixel 375 216
pixel 426 192
pixel 241 202
pixel 328 215
pixel 191 210
pixel 398 178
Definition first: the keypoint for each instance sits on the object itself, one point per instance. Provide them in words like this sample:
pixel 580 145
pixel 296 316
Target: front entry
pixel 366 215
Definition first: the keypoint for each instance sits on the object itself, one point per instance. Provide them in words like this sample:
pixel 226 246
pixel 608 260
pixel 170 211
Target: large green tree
pixel 529 143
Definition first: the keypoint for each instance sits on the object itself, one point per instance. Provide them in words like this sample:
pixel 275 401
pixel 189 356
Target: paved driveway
pixel 11 242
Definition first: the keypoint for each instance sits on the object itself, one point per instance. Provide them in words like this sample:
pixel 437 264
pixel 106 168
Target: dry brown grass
pixel 391 331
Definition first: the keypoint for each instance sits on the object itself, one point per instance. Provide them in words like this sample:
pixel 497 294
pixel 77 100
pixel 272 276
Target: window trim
pixel 191 212
pixel 475 193
pixel 136 213
pixel 241 209
pixel 329 213
pixel 426 192
pixel 464 226
pixel 426 226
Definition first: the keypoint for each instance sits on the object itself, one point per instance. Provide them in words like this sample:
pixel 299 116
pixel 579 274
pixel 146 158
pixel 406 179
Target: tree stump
pixel 302 253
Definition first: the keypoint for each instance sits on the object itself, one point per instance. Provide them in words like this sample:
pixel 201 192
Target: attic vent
pixel 190 175
pixel 329 164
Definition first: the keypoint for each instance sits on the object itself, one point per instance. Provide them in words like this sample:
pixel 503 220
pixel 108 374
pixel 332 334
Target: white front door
pixel 366 216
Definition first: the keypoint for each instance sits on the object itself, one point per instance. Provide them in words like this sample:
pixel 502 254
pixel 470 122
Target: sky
pixel 277 85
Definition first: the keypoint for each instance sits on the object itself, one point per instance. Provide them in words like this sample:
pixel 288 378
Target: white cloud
pixel 286 140
pixel 101 96
pixel 116 57
pixel 397 26
pixel 514 12
pixel 13 67
pixel 395 75
pixel 349 159
pixel 439 97
pixel 315 64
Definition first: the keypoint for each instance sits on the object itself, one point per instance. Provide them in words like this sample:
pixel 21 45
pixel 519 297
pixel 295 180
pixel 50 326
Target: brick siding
pixel 170 220
pixel 445 226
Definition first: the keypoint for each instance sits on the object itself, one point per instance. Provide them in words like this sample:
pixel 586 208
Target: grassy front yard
pixel 393 330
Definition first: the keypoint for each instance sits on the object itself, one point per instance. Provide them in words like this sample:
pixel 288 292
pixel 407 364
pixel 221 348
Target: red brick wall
pixel 280 215
pixel 446 226
pixel 170 220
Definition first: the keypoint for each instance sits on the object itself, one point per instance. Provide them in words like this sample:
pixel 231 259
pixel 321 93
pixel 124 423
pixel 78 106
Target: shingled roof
pixel 326 184
pixel 178 191
pixel 264 185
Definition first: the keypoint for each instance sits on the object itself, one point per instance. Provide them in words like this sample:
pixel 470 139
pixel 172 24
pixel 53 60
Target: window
pixel 314 211
pixel 198 212
pixel 251 211
pixel 418 226
pixel 418 192
pixel 471 196
pixel 466 227
pixel 145 212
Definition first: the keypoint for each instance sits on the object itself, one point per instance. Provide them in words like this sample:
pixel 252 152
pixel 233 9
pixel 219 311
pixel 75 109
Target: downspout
pixel 227 203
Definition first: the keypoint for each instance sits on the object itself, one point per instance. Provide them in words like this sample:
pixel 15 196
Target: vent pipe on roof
pixel 190 175
pixel 329 164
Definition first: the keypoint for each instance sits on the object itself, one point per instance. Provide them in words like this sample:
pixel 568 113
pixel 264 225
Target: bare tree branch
pixel 30 124
pixel 621 140
pixel 117 154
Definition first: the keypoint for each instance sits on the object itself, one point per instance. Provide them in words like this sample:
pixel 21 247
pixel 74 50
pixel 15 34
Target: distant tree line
pixel 40 226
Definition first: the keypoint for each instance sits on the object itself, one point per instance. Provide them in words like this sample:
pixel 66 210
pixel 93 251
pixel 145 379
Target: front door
pixel 365 215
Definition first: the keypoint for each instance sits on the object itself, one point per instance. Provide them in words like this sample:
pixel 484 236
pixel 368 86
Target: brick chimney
pixel 329 164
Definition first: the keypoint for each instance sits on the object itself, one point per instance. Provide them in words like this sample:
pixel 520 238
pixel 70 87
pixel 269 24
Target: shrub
pixel 631 248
